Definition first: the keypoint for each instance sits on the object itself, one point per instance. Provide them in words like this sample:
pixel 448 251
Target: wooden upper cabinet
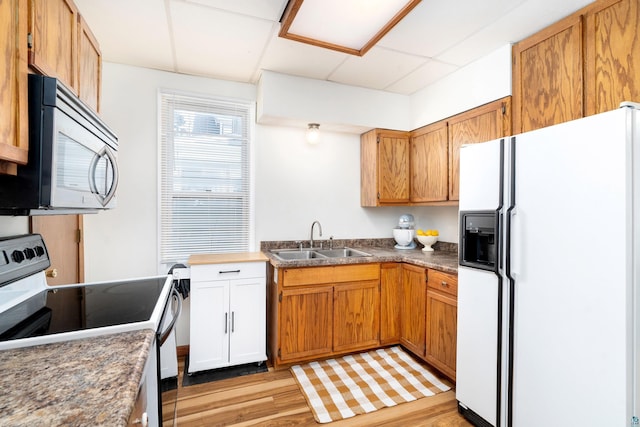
pixel 384 167
pixel 53 30
pixel 429 163
pixel 89 66
pixel 485 123
pixel 14 128
pixel 547 76
pixel 612 66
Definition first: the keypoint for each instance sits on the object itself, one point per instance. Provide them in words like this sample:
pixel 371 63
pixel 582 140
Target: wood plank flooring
pixel 274 399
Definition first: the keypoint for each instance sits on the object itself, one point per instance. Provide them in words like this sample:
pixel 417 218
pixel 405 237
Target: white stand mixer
pixel 404 233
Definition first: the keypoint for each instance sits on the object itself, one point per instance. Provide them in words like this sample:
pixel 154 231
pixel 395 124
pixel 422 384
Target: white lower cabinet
pixel 228 315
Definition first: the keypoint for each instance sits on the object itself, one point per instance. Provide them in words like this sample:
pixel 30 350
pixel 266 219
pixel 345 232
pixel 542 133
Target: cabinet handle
pixel 228 271
pixel 233 321
pixel 226 322
pixel 444 284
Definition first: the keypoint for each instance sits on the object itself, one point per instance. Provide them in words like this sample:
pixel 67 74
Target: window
pixel 204 194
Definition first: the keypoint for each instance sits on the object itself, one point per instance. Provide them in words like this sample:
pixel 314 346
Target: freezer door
pixel 571 260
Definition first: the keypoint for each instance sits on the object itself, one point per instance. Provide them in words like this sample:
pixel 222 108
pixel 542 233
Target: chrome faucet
pixel 311 237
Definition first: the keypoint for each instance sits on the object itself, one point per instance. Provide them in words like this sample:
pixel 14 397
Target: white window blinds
pixel 205 194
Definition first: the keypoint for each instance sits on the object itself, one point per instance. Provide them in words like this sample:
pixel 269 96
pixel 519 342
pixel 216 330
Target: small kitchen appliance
pixel 404 232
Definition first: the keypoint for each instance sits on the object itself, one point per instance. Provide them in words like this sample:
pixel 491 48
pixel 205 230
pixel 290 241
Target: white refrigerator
pixel 549 286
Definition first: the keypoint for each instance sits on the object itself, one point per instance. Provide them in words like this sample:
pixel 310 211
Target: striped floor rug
pixel 342 388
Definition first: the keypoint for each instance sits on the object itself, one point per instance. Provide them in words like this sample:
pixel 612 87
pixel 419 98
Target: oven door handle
pixel 178 309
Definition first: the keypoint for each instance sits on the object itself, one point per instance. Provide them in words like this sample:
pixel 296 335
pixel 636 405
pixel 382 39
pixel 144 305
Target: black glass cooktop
pixel 75 308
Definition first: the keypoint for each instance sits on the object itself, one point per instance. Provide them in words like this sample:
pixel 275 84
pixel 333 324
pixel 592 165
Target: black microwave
pixel 72 166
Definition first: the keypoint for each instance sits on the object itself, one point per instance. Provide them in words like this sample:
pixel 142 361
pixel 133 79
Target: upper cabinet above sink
pixel 421 167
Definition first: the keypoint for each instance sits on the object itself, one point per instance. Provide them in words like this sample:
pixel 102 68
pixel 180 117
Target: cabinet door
pixel 442 329
pixel 54 35
pixel 490 121
pixel 390 290
pixel 393 167
pixel 209 325
pixel 356 320
pixel 248 321
pixel 306 323
pixel 413 316
pixel 429 163
pixel 547 76
pixel 89 66
pixel 612 66
pixel 14 132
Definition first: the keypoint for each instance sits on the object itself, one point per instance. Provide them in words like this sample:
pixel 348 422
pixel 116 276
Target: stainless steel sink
pixel 297 254
pixel 304 254
pixel 342 253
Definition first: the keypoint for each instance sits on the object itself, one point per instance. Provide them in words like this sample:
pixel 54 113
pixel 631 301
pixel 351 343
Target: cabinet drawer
pixel 443 282
pixel 330 274
pixel 237 270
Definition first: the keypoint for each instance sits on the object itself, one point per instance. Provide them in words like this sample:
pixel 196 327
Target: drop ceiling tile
pixel 217 43
pixel 130 32
pixel 377 69
pixel 425 75
pixel 519 23
pixel 434 26
pixel 265 9
pixel 300 59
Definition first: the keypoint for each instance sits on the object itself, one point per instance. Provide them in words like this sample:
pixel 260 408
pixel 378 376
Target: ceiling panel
pixel 130 32
pixel 265 9
pixel 300 59
pixel 434 26
pixel 378 69
pixel 428 73
pixel 218 43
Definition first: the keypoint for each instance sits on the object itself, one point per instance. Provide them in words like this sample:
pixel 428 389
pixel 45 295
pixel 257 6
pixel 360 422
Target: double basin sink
pixel 306 254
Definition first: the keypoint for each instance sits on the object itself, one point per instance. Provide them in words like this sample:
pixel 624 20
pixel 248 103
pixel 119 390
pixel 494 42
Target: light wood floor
pixel 273 399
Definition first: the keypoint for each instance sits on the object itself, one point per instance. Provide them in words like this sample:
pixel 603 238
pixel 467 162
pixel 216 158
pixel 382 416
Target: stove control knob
pixel 39 250
pixel 29 253
pixel 17 256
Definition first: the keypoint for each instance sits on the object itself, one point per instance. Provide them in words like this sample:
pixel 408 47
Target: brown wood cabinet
pixel 14 132
pixel 430 163
pixel 384 167
pixel 53 44
pixel 89 66
pixel 413 317
pixel 612 51
pixel 585 64
pixel 356 316
pixel 390 292
pixel 425 168
pixel 481 124
pixel 323 311
pixel 305 323
pixel 547 76
pixel 61 45
pixel 442 313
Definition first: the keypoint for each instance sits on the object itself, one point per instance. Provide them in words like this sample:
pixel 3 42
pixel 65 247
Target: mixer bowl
pixel 404 237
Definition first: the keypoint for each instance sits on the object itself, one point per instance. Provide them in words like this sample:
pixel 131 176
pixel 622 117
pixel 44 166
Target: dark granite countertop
pixel 443 258
pixel 85 382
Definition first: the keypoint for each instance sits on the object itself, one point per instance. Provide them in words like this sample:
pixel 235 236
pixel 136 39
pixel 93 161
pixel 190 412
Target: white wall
pixel 482 81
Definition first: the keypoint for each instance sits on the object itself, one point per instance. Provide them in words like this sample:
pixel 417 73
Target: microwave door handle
pixel 114 184
pixel 105 152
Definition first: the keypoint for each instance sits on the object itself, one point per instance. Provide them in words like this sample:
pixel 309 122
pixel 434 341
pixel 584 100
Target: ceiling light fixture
pixel 313 133
pixel 349 26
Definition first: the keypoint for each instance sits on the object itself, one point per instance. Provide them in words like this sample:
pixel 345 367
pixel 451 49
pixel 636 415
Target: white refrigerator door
pixel 477 353
pixel 572 264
